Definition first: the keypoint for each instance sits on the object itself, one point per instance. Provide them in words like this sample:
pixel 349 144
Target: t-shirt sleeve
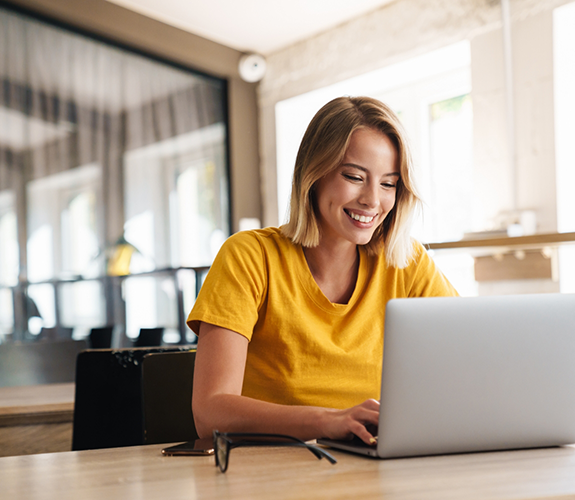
pixel 426 279
pixel 234 288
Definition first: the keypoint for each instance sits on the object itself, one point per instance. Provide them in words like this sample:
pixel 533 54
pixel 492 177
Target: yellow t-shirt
pixel 303 349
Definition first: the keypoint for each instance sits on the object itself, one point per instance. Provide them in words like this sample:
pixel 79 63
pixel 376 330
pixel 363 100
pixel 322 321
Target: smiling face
pixel 354 199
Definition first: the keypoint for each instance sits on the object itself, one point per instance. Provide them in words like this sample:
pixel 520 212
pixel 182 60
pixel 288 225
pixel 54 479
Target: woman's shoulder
pixel 255 234
pixel 257 246
pixel 267 239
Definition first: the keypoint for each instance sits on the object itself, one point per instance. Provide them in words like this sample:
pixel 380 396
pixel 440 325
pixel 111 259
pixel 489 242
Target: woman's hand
pixel 344 424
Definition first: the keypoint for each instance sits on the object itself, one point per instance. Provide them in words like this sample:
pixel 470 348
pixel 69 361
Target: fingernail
pixel 372 440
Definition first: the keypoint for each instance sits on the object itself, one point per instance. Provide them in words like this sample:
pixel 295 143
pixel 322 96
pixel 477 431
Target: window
pixel 176 205
pixel 63 238
pixel 105 144
pixel 8 240
pixel 564 78
pixel 80 244
pixel 8 260
pixel 451 167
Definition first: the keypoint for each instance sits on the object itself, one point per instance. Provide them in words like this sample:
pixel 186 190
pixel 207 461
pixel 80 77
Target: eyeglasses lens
pixel 222 452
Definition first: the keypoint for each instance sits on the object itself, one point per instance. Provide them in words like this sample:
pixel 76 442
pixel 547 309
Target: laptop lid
pixel 476 374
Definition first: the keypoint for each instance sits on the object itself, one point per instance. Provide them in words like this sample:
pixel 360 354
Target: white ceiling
pixel 261 26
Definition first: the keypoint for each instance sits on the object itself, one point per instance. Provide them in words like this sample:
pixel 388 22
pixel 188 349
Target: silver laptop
pixel 475 374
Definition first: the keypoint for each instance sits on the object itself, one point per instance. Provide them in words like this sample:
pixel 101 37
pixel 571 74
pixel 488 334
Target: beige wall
pixel 129 28
pixel 407 28
pixel 535 182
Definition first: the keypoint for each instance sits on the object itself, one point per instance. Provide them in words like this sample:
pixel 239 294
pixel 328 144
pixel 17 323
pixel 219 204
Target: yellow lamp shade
pixel 119 263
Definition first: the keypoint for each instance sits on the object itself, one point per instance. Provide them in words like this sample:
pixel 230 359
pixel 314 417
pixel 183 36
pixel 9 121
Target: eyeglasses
pixel 225 441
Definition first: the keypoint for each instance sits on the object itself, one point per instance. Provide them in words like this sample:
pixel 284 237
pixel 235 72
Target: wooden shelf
pixel 504 244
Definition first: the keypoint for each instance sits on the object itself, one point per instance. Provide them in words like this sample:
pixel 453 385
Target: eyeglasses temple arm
pixel 321 453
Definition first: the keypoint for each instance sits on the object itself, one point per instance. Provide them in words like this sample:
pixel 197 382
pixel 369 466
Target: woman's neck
pixel 335 270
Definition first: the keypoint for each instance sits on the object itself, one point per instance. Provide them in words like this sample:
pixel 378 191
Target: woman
pixel 290 320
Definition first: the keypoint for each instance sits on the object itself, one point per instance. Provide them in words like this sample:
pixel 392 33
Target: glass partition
pixel 111 162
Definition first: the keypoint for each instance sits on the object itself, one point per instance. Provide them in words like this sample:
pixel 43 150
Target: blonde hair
pixel 322 150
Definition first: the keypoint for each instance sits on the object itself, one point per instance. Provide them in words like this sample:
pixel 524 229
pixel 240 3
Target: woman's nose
pixel 369 196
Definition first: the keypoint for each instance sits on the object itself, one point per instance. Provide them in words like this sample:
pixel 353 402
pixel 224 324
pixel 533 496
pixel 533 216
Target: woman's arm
pixel 218 404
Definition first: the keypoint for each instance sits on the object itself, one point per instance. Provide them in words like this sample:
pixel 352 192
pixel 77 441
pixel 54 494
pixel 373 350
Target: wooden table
pixel 36 419
pixel 287 473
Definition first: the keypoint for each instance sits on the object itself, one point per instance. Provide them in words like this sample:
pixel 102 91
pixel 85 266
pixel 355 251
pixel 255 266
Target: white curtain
pixel 99 143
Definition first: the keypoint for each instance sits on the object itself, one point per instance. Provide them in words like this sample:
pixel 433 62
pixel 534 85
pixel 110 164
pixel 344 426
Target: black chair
pixel 55 333
pixel 149 337
pixel 100 338
pixel 167 380
pixel 116 403
pixel 43 362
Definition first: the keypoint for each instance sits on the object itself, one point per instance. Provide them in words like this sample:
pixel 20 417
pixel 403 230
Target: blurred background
pixel 136 136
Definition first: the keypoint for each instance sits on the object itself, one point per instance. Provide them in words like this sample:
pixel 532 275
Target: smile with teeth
pixel 359 218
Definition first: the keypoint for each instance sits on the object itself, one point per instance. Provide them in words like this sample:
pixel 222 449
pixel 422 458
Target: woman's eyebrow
pixel 353 165
pixel 363 169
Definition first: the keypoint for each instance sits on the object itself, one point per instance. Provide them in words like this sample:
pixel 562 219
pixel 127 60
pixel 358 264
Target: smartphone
pixel 199 447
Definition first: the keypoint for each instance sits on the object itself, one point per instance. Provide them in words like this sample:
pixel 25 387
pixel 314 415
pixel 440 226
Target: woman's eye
pixel 388 185
pixel 352 177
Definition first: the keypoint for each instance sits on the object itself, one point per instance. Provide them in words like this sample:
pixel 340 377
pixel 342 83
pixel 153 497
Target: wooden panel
pixel 36 419
pixel 32 439
pixel 37 401
pixel 533 265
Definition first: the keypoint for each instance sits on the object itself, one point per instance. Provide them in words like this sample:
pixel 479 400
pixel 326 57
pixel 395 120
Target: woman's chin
pixel 362 240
